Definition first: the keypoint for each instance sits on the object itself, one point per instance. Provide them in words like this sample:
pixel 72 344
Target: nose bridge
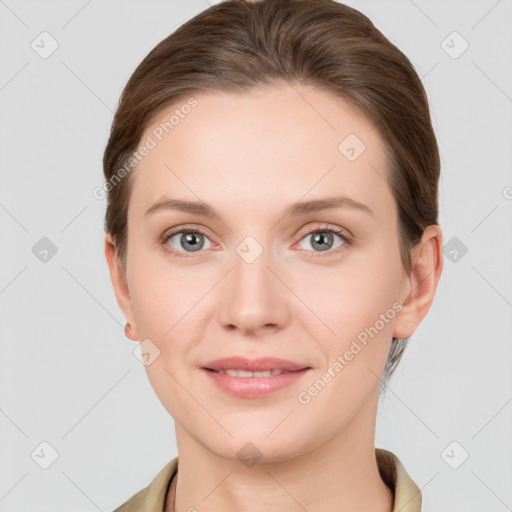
pixel 253 297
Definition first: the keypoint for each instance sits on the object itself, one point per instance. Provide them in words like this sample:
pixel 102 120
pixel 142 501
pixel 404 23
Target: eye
pixel 322 239
pixel 186 240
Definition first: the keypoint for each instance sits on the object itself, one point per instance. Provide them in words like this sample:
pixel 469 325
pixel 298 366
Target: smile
pixel 246 373
pixel 253 384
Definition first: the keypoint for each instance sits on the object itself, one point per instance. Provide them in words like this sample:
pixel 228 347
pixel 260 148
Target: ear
pixel 427 265
pixel 120 286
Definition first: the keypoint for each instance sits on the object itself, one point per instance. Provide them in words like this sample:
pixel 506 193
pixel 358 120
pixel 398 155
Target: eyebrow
pixel 295 209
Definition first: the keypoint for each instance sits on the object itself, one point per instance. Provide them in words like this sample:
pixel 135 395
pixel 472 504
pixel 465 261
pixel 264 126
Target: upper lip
pixel 254 365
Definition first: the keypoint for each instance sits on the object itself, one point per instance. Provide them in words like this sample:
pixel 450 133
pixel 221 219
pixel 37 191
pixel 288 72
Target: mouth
pixel 258 365
pixel 252 378
pixel 246 373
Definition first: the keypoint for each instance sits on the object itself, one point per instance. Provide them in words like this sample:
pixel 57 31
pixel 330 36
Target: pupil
pixel 322 239
pixel 189 237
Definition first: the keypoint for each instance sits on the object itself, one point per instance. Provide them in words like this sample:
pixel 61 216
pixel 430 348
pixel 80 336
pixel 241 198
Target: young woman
pixel 272 237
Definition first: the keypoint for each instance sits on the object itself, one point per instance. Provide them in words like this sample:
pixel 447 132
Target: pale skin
pixel 249 156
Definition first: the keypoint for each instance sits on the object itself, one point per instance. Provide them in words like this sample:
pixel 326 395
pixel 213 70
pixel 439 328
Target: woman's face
pixel 259 279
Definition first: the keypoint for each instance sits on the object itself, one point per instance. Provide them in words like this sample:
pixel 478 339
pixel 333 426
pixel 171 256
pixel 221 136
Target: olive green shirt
pixel 406 492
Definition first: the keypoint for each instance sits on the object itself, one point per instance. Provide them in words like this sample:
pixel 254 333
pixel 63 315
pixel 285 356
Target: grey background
pixel 68 375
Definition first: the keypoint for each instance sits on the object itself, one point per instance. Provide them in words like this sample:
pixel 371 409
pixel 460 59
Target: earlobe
pixel 427 265
pixel 120 285
pixel 130 332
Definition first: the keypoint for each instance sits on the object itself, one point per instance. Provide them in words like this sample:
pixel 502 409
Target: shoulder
pixel 393 473
pixel 152 497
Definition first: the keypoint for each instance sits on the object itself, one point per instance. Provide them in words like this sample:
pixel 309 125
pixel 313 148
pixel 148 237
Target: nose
pixel 254 297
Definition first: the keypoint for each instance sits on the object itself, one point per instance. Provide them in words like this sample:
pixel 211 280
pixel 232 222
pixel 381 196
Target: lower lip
pixel 254 387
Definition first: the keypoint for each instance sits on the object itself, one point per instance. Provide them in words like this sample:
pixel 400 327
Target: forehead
pixel 272 145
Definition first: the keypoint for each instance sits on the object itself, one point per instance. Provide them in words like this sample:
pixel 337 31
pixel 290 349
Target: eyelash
pixel 346 237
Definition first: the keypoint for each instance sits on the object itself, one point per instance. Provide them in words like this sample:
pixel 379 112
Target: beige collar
pixel 407 494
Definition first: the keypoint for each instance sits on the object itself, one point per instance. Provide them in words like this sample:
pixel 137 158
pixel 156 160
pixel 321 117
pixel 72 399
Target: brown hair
pixel 237 45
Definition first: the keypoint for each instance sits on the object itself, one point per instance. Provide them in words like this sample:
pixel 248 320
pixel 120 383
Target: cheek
pixel 162 303
pixel 352 297
pixel 167 305
pixel 357 307
pixel 161 290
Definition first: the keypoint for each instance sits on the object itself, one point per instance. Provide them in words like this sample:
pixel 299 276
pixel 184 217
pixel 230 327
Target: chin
pixel 251 446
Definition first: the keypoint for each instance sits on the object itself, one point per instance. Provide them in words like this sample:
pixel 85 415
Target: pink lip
pixel 254 387
pixel 254 365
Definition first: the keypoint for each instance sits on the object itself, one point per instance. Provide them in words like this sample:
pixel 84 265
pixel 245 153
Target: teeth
pixel 245 373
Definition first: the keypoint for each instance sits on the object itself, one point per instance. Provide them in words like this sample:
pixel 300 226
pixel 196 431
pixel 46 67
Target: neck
pixel 339 475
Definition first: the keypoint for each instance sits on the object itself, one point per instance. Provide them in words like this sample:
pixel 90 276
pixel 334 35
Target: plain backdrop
pixel 74 397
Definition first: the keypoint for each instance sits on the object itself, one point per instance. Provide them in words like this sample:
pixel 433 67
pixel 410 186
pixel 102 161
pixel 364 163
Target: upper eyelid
pixel 303 232
pixel 327 227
